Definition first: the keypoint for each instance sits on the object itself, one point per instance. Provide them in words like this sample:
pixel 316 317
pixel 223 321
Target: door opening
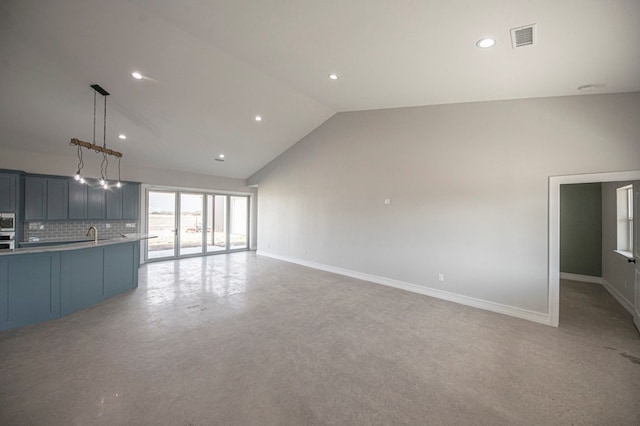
pixel 554 233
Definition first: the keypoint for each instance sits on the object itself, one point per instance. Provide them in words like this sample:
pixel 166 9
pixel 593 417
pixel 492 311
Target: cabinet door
pixel 57 199
pixel 35 198
pixel 95 202
pixel 130 200
pixel 114 203
pixel 8 192
pixel 77 200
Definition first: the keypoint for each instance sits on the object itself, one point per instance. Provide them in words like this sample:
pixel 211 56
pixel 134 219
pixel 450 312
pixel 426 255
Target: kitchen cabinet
pixel 114 203
pixel 31 284
pixel 122 203
pixel 95 202
pixel 57 196
pixel 35 198
pixel 130 200
pixel 42 286
pixel 8 192
pixel 77 200
pixel 45 198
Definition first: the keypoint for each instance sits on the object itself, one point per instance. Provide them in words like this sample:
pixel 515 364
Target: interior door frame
pixel 554 229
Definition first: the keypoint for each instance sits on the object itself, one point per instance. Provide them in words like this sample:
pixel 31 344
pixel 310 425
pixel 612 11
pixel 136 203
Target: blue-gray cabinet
pixel 95 202
pixel 29 288
pixel 45 198
pixel 57 199
pixel 35 198
pixel 122 203
pixel 77 200
pixel 8 192
pixel 130 200
pixel 114 203
pixel 38 287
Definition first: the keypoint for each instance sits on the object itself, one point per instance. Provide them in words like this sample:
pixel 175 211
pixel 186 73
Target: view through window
pixel 624 196
pixel 189 223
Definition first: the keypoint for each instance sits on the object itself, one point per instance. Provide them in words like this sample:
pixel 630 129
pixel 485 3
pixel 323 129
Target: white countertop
pixel 126 238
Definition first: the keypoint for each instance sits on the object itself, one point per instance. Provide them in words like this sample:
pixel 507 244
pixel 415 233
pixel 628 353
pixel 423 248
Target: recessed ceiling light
pixel 486 42
pixel 121 136
pixel 136 75
pixel 333 76
pixel 258 118
pixel 221 156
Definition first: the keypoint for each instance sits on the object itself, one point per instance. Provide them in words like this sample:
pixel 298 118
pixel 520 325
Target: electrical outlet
pixel 440 276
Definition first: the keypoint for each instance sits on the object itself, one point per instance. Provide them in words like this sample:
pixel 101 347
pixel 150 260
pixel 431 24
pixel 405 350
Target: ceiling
pixel 211 66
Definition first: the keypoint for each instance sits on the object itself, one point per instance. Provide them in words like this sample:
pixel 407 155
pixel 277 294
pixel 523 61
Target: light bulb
pixel 118 185
pixel 105 185
pixel 77 176
pixel 82 180
pixel 101 181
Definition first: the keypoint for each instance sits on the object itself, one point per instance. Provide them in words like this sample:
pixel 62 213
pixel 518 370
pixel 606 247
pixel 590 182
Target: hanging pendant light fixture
pixel 104 165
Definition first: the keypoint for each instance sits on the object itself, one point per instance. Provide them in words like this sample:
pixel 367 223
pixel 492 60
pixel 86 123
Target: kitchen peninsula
pixel 47 282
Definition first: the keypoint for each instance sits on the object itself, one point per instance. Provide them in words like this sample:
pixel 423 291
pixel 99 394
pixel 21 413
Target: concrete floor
pixel 240 339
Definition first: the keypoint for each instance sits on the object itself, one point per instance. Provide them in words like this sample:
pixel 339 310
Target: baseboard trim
pixel 581 278
pixel 618 296
pixel 538 317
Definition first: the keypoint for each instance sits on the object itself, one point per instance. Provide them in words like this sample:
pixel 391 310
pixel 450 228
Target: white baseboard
pixel 581 278
pixel 618 296
pixel 542 318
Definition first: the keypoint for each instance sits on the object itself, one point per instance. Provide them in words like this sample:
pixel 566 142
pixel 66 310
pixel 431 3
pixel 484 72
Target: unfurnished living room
pixel 356 212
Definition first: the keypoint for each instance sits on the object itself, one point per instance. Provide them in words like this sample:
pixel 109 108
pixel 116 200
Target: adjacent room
pixel 346 212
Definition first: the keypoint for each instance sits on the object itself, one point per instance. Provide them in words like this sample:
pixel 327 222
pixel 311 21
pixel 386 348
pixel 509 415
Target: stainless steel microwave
pixel 7 222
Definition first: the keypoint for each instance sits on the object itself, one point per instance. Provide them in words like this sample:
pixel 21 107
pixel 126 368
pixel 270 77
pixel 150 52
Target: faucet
pixel 95 233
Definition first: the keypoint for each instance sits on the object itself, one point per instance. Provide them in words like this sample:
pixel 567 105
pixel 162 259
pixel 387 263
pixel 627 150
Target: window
pixel 624 198
pixel 195 223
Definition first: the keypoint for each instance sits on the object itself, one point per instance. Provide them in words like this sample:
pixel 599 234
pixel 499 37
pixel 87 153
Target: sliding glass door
pixel 191 223
pixel 239 222
pixel 216 223
pixel 162 222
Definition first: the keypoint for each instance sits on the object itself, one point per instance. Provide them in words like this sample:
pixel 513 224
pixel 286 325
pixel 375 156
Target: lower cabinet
pixel 43 286
pixel 29 289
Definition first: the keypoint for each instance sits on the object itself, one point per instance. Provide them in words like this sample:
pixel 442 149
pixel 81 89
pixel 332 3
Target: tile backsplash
pixel 71 229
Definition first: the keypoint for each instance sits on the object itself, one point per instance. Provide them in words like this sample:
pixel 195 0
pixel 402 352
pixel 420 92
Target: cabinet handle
pixel 631 260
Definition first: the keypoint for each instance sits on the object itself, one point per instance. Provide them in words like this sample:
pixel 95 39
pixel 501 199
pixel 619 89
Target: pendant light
pixel 106 153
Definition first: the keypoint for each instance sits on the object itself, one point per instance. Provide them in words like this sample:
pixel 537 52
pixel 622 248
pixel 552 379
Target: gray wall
pixel 468 185
pixel 581 229
pixel 616 271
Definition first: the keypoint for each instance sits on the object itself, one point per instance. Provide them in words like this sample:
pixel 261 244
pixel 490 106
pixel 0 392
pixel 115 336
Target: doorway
pixel 554 234
pixel 189 223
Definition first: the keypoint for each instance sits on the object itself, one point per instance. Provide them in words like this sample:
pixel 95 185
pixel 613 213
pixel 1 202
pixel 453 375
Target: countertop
pixel 126 238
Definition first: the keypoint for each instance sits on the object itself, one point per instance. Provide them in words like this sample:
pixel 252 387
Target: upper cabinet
pixel 95 202
pixel 130 200
pixel 48 198
pixel 77 200
pixel 8 192
pixel 114 204
pixel 122 203
pixel 35 198
pixel 57 199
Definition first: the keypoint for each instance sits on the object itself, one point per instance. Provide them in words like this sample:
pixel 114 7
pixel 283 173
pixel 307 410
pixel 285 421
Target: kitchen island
pixel 47 282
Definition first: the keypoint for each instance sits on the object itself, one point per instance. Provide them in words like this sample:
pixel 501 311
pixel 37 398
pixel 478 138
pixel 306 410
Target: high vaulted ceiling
pixel 211 66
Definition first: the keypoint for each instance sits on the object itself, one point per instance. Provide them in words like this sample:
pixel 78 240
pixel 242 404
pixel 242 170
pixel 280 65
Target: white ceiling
pixel 211 66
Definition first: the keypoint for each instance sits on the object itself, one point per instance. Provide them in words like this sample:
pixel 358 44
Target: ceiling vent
pixel 523 36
